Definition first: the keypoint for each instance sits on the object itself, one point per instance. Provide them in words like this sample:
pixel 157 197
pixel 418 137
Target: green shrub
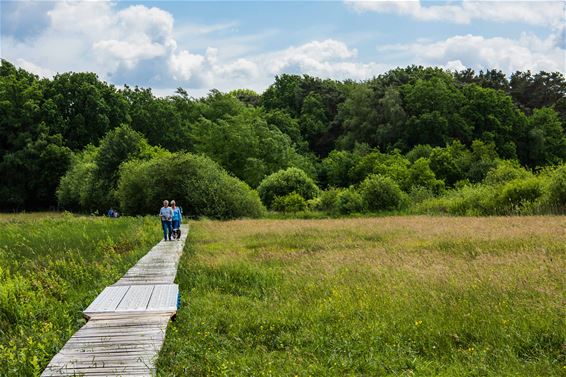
pixel 336 168
pixel 517 194
pixel 313 204
pixel 392 165
pixel 292 202
pixel 557 187
pixel 419 151
pixel 504 172
pixel 470 200
pixel 285 182
pixel 197 183
pixel 421 175
pixel 419 194
pixel 484 158
pixel 328 200
pixel 91 182
pixel 381 193
pixel 79 190
pixel 349 201
pixel 451 163
pixel 72 184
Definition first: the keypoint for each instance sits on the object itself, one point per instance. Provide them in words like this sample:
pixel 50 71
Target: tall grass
pixel 51 268
pixel 375 297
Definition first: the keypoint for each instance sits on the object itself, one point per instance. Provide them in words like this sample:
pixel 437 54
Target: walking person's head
pixel 165 203
pixel 173 204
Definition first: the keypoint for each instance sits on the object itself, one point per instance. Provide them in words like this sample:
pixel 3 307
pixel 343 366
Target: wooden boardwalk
pixel 127 321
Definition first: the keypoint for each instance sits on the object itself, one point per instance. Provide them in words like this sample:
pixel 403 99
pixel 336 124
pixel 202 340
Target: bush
pixel 91 182
pixel 79 190
pixel 328 200
pixel 504 172
pixel 197 183
pixel 349 201
pixel 557 187
pixel 336 168
pixel 419 194
pixel 292 202
pixel 313 204
pixel 451 163
pixel 285 182
pixel 421 175
pixel 392 165
pixel 381 193
pixel 471 200
pixel 419 151
pixel 517 194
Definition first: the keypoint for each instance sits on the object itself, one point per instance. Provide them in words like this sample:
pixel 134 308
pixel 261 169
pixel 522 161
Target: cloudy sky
pixel 244 44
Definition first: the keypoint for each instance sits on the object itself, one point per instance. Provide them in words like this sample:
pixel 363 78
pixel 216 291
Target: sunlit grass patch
pixel 387 296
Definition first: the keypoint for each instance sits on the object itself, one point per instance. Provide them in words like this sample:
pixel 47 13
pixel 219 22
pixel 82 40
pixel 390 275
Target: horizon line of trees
pixel 417 120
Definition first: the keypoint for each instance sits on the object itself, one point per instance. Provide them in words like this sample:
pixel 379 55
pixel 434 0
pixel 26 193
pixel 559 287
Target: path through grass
pixel 51 267
pixel 387 296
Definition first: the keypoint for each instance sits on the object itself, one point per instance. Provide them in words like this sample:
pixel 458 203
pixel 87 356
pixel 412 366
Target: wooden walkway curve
pixel 127 321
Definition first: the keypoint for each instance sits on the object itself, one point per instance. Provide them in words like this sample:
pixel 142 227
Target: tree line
pixel 77 142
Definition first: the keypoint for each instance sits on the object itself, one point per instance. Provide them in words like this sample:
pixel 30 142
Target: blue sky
pixel 237 44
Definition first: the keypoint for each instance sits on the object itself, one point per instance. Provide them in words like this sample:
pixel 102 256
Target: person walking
pixel 177 219
pixel 166 215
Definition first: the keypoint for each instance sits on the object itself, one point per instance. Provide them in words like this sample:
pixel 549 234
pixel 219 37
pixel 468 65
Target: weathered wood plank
pixel 136 298
pixel 164 297
pixel 108 300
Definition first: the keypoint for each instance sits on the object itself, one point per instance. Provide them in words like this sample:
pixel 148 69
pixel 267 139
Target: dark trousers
pixel 167 229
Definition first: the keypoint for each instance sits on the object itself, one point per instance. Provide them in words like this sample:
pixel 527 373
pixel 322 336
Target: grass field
pixel 51 267
pixel 438 296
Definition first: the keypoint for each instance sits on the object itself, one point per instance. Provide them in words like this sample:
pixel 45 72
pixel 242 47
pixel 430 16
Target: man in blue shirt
pixel 166 215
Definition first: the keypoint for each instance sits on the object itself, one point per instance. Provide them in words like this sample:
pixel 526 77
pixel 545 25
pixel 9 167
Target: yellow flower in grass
pixel 418 323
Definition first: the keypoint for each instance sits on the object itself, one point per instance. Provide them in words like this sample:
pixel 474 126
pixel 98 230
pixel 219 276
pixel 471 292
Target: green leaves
pixel 285 182
pixel 196 183
pixel 245 144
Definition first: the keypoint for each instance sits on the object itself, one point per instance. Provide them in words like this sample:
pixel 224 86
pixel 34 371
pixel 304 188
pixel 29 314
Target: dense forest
pixel 415 137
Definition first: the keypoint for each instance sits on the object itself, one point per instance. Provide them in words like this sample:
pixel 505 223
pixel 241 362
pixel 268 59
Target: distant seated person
pixel 111 213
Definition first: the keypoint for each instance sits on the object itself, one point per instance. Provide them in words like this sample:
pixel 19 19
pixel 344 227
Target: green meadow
pixel 388 296
pixel 392 296
pixel 51 267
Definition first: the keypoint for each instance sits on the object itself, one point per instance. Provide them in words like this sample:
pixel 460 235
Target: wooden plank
pixel 164 297
pixel 136 298
pixel 108 300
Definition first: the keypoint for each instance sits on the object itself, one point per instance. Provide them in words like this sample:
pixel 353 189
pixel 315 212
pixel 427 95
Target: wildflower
pixel 418 323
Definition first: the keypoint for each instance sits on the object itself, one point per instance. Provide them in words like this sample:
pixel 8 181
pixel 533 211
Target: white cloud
pixel 184 65
pixel 477 52
pixel 329 58
pixel 139 42
pixel 140 45
pixel 88 18
pixel 34 68
pixel 196 29
pixel 535 12
pixel 94 36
